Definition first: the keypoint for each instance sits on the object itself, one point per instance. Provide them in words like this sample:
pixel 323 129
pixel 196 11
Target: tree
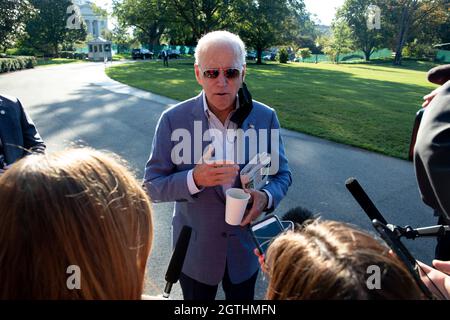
pixel 121 38
pixel 434 31
pixel 355 13
pixel 99 11
pixel 339 43
pixel 47 30
pixel 203 16
pixel 303 31
pixel 13 17
pixel 266 23
pixel 283 55
pixel 410 16
pixel 180 33
pixel 304 53
pixel 149 17
pixel 444 35
pixel 107 34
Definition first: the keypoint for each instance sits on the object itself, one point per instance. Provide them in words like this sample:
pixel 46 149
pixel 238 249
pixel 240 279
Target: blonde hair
pixel 329 260
pixel 221 37
pixel 78 207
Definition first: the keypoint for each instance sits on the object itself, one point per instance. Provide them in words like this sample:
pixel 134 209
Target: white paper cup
pixel 236 204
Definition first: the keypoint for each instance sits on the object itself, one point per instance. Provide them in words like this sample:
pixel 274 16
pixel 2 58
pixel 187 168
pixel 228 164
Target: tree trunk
pixel 402 36
pixel 55 48
pixel 367 54
pixel 259 55
pixel 399 49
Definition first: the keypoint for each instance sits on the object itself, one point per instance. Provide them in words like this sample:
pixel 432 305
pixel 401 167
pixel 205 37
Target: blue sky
pixel 323 9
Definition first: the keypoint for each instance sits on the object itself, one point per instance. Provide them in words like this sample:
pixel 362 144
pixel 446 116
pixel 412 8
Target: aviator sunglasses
pixel 229 73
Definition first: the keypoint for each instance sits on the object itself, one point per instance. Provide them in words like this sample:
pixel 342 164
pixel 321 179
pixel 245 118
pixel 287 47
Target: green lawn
pixel 53 61
pixel 121 56
pixel 371 106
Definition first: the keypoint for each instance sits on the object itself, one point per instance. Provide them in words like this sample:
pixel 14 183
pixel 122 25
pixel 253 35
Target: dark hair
pixel 330 260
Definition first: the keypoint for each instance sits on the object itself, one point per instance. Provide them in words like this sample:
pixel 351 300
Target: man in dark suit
pixel 165 56
pixel 18 135
pixel 432 155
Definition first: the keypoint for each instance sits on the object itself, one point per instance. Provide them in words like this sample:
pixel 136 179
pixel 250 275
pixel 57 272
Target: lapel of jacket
pixel 243 146
pixel 197 115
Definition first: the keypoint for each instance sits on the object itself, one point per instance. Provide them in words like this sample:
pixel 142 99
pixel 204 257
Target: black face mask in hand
pixel 245 106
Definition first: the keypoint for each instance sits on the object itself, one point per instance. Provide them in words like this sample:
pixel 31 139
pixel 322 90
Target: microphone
pixel 364 201
pixel 177 259
pixel 298 215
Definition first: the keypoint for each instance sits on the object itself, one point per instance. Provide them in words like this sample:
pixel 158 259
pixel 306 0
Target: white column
pixel 95 28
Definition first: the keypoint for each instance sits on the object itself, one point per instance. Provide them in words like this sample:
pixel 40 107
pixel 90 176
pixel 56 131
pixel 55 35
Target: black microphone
pixel 298 215
pixel 177 259
pixel 364 201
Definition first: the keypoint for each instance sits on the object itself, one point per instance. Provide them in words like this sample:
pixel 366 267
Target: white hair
pixel 221 37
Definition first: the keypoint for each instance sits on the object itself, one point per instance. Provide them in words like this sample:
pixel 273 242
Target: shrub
pixel 352 57
pixel 283 55
pixel 80 55
pixel 66 54
pixel 16 63
pixel 303 53
pixel 419 51
pixel 22 51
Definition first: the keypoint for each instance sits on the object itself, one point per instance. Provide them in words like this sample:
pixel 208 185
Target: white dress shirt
pixel 224 145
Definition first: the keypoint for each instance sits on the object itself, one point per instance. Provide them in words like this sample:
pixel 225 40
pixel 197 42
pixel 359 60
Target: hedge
pixel 16 63
pixel 72 55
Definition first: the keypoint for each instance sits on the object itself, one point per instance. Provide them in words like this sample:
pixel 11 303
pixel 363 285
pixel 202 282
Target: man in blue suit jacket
pixel 18 135
pixel 217 252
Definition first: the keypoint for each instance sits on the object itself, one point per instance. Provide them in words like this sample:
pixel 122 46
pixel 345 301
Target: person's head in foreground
pixel 330 260
pixel 73 208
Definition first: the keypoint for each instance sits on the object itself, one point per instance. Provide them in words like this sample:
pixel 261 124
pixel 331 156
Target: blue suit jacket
pixel 213 243
pixel 17 131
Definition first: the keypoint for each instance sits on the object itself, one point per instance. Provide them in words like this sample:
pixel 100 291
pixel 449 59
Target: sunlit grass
pixel 55 61
pixel 371 106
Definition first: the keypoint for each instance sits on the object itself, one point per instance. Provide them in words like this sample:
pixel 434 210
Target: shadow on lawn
pixel 334 104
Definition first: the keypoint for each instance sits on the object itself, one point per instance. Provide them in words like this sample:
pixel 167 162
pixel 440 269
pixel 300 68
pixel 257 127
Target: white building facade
pixel 95 23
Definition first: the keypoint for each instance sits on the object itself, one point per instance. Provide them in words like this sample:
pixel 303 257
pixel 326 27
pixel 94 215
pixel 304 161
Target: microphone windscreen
pixel 440 74
pixel 364 201
pixel 298 215
pixel 178 255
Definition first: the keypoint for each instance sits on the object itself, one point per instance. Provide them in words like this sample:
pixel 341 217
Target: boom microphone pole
pixel 364 201
pixel 177 260
pixel 391 234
